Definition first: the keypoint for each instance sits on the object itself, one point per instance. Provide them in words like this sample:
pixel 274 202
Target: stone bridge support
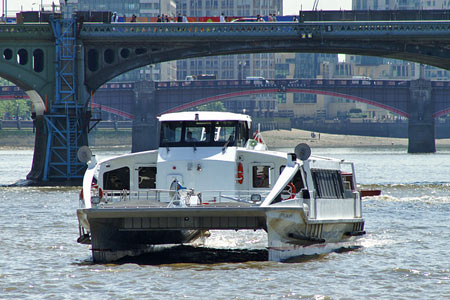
pixel 421 135
pixel 145 125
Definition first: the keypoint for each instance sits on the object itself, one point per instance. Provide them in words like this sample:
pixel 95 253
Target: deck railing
pixel 183 197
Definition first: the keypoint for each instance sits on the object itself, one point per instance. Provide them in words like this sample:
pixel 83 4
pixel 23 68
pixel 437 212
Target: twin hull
pixel 304 224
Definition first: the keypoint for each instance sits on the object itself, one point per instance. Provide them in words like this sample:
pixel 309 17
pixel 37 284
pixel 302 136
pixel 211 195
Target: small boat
pixel 369 193
pixel 348 177
pixel 211 173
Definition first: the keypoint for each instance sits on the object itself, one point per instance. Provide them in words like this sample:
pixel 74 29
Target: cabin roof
pixel 204 116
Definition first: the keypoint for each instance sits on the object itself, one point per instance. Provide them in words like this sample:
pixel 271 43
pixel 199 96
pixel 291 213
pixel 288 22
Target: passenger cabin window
pixel 261 176
pixel 118 179
pixel 147 177
pixel 204 133
pixel 328 183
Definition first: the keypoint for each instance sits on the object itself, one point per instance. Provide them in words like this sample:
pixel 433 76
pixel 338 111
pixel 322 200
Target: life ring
pixel 99 190
pixel 288 192
pixel 100 193
pixel 252 142
pixel 240 173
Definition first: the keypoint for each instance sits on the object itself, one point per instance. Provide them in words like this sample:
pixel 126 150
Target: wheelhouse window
pixel 118 179
pixel 197 132
pixel 203 133
pixel 171 132
pixel 225 131
pixel 328 183
pixel 261 176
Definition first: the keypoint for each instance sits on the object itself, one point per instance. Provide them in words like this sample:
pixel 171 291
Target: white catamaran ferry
pixel 210 172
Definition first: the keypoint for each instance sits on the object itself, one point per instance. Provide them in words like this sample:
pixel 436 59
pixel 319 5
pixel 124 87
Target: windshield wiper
pixel 225 146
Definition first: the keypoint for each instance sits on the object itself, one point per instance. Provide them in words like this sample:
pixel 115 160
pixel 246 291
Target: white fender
pixel 285 177
pixel 87 182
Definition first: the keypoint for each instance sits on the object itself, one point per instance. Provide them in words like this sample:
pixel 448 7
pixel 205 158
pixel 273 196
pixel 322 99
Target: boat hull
pixel 292 235
pixel 134 230
pixel 111 242
pixel 130 232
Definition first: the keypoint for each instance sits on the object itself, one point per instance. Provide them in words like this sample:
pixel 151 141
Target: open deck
pixel 146 215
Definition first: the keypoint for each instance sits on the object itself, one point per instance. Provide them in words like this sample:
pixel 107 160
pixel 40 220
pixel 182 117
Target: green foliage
pixel 4 82
pixel 10 108
pixel 213 106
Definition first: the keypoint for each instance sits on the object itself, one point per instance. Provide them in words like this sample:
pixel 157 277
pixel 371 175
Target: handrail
pixel 167 196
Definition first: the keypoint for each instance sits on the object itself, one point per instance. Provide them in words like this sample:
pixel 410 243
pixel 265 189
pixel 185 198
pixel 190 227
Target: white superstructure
pixel 210 172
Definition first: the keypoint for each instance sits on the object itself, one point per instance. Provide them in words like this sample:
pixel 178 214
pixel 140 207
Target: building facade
pixel 401 69
pixel 233 66
pixel 141 8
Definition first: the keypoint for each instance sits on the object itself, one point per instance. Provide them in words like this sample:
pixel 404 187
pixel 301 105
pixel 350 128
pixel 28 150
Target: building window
pixel 305 98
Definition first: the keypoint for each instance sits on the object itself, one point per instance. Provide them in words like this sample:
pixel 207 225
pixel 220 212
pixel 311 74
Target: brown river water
pixel 405 254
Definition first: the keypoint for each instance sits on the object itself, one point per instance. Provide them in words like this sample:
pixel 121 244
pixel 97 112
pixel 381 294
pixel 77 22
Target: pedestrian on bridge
pixel 115 17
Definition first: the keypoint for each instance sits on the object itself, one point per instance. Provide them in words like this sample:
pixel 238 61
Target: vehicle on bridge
pixel 210 172
pixel 201 77
pixel 256 80
pixel 248 20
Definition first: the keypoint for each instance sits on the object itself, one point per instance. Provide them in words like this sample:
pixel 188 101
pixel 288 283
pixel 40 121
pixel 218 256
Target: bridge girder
pixel 118 48
pixel 30 66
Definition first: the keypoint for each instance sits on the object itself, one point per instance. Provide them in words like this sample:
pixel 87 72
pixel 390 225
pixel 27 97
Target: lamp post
pixel 241 69
pixel 3 11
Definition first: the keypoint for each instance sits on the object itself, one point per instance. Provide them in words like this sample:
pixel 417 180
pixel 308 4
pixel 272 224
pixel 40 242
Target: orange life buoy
pixel 240 173
pixel 96 190
pixel 288 192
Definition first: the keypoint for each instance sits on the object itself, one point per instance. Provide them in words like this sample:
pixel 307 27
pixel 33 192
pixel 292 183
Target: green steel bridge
pixel 60 64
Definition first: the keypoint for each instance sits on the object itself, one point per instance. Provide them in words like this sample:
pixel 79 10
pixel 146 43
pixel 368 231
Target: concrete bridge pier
pixel 40 144
pixel 421 135
pixel 145 125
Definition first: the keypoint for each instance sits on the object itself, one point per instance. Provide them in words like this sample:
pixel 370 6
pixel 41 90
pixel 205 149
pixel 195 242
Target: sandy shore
pixel 274 139
pixel 286 138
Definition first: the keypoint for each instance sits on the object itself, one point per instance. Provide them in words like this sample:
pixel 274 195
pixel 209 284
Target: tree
pixel 212 106
pixel 10 109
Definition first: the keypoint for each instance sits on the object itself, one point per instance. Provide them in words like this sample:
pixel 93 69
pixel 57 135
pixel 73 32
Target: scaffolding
pixel 64 116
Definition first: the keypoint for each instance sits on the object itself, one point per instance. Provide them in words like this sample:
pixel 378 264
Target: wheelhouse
pixel 233 130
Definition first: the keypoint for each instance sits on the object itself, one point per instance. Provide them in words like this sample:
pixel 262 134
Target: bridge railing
pixel 287 83
pixel 307 30
pixel 30 31
pixel 188 29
